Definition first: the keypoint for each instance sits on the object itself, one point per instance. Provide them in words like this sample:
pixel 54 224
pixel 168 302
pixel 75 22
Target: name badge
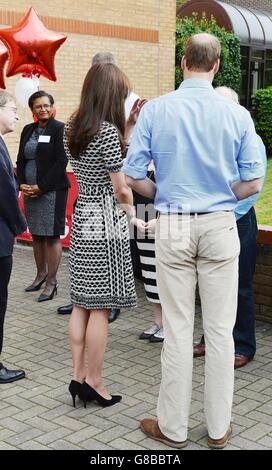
pixel 44 138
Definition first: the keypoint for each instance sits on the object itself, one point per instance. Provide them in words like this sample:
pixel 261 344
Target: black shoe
pixel 74 389
pixel 147 334
pixel 88 393
pixel 65 310
pixel 114 314
pixel 7 376
pixel 33 288
pixel 44 297
pixel 157 337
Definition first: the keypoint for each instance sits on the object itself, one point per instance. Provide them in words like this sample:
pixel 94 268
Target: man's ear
pixel 216 66
pixel 183 63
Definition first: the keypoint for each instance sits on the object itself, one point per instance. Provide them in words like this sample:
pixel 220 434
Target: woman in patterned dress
pixel 100 261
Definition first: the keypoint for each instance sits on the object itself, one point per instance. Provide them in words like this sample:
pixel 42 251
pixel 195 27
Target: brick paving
pixel 36 413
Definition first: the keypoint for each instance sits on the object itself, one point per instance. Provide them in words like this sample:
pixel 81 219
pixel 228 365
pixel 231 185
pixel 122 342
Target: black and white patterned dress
pixel 100 260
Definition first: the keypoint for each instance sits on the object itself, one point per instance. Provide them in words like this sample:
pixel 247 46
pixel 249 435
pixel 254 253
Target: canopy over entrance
pixel 253 27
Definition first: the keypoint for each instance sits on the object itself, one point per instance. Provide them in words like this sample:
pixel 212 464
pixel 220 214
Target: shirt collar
pixel 196 83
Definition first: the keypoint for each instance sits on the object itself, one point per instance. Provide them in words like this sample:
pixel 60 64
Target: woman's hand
pixel 151 226
pixel 139 224
pixel 34 191
pixel 25 188
pixel 135 111
pixel 133 116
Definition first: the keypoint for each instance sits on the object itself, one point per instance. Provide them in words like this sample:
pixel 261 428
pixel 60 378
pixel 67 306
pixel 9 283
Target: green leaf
pixel 230 61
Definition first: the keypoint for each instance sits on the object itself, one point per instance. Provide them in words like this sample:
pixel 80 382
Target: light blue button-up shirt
pixel 245 205
pixel 200 143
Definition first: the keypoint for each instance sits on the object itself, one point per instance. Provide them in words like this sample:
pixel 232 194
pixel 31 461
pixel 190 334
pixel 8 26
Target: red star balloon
pixel 32 47
pixel 3 60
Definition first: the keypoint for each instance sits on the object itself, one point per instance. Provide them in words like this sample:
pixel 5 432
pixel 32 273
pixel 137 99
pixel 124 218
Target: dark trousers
pixel 244 328
pixel 5 272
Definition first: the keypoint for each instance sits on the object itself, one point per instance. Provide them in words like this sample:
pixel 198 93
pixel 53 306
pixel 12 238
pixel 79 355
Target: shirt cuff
pixel 135 173
pixel 247 174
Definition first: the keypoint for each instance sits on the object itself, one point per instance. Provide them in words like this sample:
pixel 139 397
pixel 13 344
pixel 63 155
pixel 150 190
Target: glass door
pixel 256 77
pixel 268 68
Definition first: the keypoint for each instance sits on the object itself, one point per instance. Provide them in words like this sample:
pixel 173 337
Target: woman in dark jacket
pixel 41 171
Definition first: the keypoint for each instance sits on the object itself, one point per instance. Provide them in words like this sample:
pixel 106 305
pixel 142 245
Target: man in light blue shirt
pixel 244 328
pixel 196 160
pixel 204 150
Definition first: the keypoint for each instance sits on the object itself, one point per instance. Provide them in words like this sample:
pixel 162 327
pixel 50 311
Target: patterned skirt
pixel 100 259
pixel 45 215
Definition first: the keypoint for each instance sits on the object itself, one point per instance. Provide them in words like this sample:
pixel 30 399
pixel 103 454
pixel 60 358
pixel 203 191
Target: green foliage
pixel 263 116
pixel 230 66
pixel 264 204
pixel 180 2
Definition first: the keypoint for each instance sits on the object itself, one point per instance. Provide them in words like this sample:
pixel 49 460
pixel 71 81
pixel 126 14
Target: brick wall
pixel 140 34
pixel 263 276
pixel 257 4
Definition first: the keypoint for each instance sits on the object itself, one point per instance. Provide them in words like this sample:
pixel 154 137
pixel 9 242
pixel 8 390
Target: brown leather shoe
pixel 199 349
pixel 151 428
pixel 241 361
pixel 220 443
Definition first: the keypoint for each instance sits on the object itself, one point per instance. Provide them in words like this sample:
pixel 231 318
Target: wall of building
pixel 263 276
pixel 257 4
pixel 140 34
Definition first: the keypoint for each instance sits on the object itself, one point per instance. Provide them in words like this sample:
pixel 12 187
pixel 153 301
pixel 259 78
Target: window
pixel 268 68
pixel 256 74
pixel 244 70
pixel 256 68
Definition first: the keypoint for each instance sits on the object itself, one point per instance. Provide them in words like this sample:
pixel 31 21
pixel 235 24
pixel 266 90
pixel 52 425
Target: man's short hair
pixel 202 50
pixel 5 97
pixel 104 58
pixel 228 93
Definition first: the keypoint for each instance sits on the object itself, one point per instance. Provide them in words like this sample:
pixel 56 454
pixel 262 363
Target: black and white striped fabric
pixel 146 249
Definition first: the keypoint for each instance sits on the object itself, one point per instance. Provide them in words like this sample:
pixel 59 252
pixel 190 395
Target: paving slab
pixel 37 414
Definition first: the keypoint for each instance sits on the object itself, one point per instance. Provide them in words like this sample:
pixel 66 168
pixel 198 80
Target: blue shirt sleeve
pixel 245 205
pixel 249 161
pixel 139 152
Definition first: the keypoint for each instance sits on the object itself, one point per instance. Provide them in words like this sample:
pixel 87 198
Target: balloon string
pixel 33 74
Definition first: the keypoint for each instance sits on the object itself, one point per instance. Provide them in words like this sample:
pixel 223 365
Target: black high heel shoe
pixel 74 389
pixel 32 288
pixel 44 297
pixel 87 393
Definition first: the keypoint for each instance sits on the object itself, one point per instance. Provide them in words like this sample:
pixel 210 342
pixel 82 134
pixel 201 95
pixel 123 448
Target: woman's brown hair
pixel 103 95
